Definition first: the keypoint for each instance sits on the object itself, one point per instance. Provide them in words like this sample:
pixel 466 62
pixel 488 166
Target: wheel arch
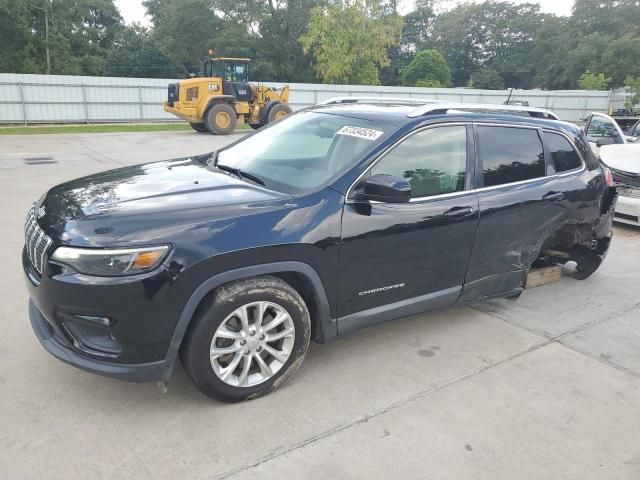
pixel 228 99
pixel 299 275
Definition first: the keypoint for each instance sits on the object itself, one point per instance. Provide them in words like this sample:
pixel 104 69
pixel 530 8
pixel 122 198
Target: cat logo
pixel 213 87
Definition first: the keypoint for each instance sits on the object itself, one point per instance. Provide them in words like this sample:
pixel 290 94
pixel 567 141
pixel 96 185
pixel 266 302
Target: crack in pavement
pixel 558 339
pixel 579 328
pixel 365 418
pixel 548 340
pixel 101 155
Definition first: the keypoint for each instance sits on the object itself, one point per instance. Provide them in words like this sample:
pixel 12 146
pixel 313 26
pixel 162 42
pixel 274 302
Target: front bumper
pixel 116 328
pixel 628 210
pixel 145 372
pixel 181 114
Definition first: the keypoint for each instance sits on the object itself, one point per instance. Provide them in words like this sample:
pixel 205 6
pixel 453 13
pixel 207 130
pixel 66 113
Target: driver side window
pixel 434 161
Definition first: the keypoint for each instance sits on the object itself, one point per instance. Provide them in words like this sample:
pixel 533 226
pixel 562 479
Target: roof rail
pixel 428 105
pixel 482 108
pixel 378 100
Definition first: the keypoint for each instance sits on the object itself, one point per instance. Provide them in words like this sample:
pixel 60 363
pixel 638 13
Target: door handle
pixel 553 196
pixel 456 212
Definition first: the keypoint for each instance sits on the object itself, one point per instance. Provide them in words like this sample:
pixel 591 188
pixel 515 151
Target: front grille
pixel 35 240
pixel 630 192
pixel 624 216
pixel 172 93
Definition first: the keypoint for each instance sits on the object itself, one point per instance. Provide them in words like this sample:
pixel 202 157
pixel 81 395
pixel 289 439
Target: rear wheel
pixel 278 112
pixel 587 262
pixel 221 119
pixel 248 338
pixel 199 127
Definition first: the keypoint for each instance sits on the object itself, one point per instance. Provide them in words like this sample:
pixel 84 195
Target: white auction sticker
pixel 360 132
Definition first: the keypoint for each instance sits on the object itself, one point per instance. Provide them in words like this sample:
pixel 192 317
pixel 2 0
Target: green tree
pixel 185 30
pixel 487 79
pixel 136 54
pixel 418 25
pixel 613 17
pixel 593 81
pixel 278 54
pixel 58 36
pixel 16 37
pixel 349 41
pixel 427 69
pixel 415 31
pixel 633 85
pixel 499 35
pixel 265 31
pixel 554 43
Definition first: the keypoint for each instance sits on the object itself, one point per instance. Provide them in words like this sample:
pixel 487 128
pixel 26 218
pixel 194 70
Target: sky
pixel 133 11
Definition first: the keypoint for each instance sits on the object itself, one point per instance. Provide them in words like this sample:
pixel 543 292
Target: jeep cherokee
pixel 340 216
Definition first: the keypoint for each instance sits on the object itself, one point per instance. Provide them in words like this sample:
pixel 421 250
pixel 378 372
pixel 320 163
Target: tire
pixel 223 377
pixel 199 127
pixel 587 262
pixel 221 119
pixel 278 112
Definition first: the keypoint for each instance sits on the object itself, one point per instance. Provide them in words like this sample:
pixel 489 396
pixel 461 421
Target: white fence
pixel 28 99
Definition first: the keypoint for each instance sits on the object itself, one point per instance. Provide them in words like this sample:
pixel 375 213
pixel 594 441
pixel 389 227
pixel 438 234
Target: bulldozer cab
pixel 229 69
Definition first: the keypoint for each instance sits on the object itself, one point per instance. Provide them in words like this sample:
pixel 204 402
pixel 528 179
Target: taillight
pixel 608 177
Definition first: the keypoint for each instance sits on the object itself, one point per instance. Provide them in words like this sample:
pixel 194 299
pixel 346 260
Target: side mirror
pixel 385 188
pixel 606 141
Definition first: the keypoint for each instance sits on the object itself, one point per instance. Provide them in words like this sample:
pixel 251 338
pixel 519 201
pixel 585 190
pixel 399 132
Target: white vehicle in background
pixel 621 153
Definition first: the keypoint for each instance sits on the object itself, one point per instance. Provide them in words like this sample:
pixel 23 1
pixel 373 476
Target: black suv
pixel 337 217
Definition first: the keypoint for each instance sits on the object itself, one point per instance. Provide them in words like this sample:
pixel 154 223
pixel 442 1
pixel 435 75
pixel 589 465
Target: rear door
pixel 403 258
pixel 521 203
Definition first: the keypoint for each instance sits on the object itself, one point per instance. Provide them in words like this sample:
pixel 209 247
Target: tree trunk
pixel 46 37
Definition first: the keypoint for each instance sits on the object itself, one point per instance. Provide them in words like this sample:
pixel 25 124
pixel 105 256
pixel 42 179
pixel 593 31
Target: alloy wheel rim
pixel 223 119
pixel 252 344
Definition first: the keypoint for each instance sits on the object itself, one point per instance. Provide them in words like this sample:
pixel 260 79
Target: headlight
pixel 107 262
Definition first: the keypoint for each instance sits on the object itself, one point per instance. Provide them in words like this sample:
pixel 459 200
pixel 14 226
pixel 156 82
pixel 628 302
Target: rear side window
pixel 564 156
pixel 510 154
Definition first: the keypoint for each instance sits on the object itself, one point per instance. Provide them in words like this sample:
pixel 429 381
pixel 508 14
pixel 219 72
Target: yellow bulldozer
pixel 222 97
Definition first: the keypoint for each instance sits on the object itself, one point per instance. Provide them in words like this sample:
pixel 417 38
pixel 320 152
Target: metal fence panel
pixel 28 98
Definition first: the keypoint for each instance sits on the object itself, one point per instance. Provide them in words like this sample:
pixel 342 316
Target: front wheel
pixel 278 112
pixel 247 339
pixel 221 119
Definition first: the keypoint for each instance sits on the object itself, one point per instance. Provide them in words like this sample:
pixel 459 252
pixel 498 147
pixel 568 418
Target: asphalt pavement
pixel 544 387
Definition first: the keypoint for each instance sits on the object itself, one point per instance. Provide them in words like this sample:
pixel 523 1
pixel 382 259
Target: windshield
pixel 305 150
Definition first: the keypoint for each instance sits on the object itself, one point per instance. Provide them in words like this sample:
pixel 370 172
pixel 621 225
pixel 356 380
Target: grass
pixel 109 128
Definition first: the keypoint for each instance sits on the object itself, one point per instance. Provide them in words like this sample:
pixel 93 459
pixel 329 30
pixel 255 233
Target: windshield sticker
pixel 367 133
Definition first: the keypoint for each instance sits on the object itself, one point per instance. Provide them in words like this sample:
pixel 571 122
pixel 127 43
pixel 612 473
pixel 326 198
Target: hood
pixel 103 207
pixel 625 157
pixel 624 161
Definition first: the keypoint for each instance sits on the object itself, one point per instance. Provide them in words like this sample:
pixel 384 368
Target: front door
pixel 602 130
pixel 398 259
